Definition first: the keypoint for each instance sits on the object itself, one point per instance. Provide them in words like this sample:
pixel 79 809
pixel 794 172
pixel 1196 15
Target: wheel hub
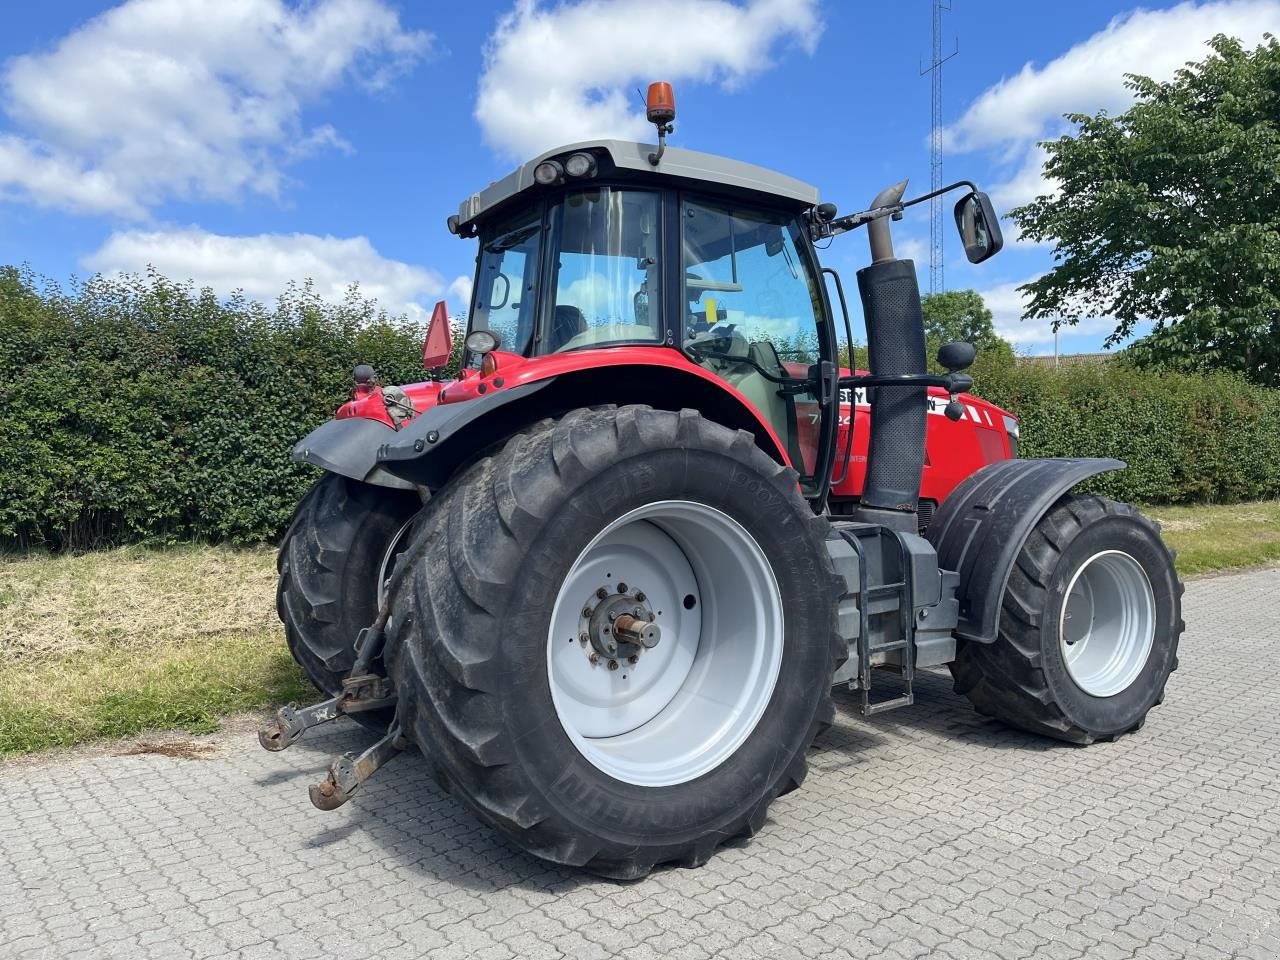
pixel 618 626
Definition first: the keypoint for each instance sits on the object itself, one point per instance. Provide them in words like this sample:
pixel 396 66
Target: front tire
pixel 618 765
pixel 1089 627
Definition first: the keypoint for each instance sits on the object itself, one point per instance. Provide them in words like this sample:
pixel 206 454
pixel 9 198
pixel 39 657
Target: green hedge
pixel 1186 438
pixel 139 409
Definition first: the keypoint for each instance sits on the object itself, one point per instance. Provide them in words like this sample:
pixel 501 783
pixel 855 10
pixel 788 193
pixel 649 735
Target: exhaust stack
pixel 895 345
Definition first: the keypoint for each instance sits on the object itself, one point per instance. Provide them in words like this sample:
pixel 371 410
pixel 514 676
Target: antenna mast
pixel 936 232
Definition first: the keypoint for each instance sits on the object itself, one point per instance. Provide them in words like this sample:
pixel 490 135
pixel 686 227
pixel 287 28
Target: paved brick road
pixel 929 832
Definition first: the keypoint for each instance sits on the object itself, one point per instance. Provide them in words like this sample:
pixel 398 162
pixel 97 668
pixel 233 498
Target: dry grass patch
pixel 133 597
pixel 109 644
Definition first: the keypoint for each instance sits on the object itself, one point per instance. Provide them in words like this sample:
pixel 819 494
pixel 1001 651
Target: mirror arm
pixel 973 188
pixel 821 231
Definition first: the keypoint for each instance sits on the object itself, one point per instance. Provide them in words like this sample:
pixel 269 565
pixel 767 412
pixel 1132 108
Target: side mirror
pixel 979 227
pixel 956 356
pixel 439 342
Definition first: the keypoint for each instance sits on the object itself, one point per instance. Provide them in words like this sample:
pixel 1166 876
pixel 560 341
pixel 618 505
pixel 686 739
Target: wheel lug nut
pixel 613 664
pixel 622 588
pixel 594 658
pixel 633 659
pixel 584 637
pixel 640 596
pixel 586 612
pixel 602 593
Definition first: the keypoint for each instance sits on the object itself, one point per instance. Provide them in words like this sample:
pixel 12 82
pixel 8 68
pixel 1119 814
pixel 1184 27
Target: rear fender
pixel 373 452
pixel 979 529
pixel 427 450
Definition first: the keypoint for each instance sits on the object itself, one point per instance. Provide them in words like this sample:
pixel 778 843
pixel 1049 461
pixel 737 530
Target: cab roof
pixel 633 158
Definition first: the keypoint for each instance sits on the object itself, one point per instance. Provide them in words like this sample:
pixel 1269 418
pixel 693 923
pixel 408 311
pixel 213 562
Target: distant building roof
pixel 1049 360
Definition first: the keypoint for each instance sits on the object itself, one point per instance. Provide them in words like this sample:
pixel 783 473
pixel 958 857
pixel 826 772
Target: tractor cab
pixel 592 247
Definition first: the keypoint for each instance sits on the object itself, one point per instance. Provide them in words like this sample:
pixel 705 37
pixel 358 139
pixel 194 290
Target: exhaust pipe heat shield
pixel 895 345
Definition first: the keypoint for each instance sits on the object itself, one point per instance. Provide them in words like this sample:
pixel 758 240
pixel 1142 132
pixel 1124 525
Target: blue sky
pixel 246 142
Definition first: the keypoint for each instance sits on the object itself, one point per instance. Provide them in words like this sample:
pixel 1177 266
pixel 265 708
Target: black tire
pixel 1022 678
pixel 468 638
pixel 328 565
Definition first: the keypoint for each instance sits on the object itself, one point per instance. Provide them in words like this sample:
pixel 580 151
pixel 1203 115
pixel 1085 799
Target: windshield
pixel 507 282
pixel 605 284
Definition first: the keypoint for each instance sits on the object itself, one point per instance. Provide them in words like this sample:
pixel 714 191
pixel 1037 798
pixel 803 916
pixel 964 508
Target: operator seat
pixel 567 322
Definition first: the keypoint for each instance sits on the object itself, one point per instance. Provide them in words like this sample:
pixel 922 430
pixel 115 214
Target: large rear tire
pixel 332 562
pixel 499 638
pixel 1089 627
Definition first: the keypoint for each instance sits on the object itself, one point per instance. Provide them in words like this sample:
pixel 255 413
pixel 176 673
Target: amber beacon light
pixel 660 109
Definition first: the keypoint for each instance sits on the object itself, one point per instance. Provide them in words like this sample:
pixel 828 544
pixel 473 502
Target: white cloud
pixel 263 265
pixel 459 293
pixel 159 99
pixel 565 73
pixel 1012 115
pixel 1007 304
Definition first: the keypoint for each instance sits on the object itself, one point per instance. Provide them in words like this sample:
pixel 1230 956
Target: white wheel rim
pixel 1108 623
pixel 388 560
pixel 686 705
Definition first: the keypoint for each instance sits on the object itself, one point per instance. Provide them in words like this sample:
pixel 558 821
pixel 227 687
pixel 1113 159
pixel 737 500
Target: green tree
pixel 1170 212
pixel 962 315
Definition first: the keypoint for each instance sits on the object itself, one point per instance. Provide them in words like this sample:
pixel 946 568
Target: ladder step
pixel 885 589
pixel 887 647
pixel 871 709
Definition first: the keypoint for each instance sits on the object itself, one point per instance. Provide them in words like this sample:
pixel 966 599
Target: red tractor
pixel 607 578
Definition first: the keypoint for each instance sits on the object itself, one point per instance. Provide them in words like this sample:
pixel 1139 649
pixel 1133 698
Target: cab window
pixel 505 301
pixel 752 316
pixel 604 273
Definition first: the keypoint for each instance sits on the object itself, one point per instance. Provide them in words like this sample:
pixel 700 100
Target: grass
pixel 118 642
pixel 1212 538
pixel 185 685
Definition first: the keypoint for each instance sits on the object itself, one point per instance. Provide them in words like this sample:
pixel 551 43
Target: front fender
pixel 980 528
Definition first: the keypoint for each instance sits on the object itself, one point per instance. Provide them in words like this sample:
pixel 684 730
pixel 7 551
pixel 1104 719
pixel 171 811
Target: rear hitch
pixel 366 692
pixel 292 721
pixel 349 771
